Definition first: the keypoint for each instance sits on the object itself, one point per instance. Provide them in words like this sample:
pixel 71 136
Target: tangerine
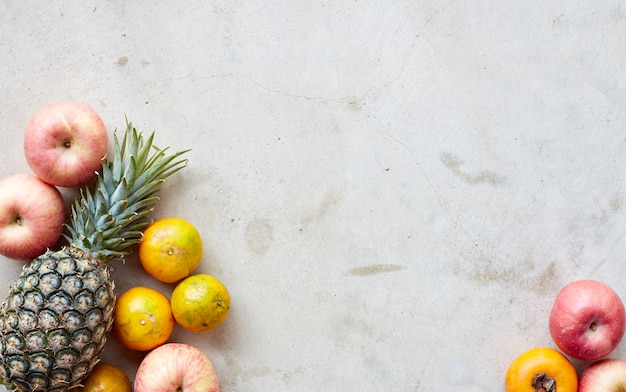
pixel 143 318
pixel 105 378
pixel 170 249
pixel 200 303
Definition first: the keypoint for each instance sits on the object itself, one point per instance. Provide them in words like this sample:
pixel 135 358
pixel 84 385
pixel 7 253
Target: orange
pixel 106 378
pixel 539 368
pixel 200 303
pixel 143 318
pixel 170 249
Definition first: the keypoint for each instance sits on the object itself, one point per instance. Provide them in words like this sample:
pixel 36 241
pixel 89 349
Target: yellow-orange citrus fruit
pixel 200 303
pixel 143 318
pixel 106 378
pixel 170 249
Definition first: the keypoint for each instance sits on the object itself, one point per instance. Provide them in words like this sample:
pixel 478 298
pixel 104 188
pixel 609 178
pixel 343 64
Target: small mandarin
pixel 170 249
pixel 143 318
pixel 106 378
pixel 200 303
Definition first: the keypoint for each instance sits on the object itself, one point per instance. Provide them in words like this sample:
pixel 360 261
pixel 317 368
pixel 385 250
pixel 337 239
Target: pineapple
pixel 55 321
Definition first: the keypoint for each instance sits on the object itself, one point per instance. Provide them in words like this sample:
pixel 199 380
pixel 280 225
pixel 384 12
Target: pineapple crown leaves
pixel 109 218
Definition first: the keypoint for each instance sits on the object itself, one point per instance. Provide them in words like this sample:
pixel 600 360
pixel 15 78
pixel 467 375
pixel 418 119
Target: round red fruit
pixel 587 320
pixel 32 213
pixel 65 142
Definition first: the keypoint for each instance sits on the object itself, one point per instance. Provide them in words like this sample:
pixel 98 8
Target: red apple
pixel 32 213
pixel 587 320
pixel 65 142
pixel 606 375
pixel 176 367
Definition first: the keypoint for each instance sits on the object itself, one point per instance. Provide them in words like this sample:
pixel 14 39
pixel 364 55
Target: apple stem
pixel 544 383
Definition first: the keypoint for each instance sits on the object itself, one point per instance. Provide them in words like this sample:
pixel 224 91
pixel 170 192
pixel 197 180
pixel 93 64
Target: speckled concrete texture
pixel 392 191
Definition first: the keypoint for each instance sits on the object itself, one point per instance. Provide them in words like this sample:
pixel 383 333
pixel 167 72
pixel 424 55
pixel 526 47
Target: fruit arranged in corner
pixel 65 143
pixel 170 249
pixel 58 313
pixel 106 378
pixel 587 320
pixel 55 321
pixel 32 214
pixel 200 303
pixel 541 369
pixel 176 367
pixel 143 318
pixel 604 375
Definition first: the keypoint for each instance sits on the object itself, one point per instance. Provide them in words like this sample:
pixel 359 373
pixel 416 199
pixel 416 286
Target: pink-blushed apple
pixel 587 320
pixel 32 213
pixel 605 375
pixel 65 142
pixel 176 367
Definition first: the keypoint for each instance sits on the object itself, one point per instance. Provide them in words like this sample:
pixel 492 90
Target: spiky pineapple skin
pixel 55 321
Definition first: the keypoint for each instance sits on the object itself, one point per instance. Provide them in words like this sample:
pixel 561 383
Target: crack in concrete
pixel 352 102
pixel 377 91
pixel 305 97
pixel 410 50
